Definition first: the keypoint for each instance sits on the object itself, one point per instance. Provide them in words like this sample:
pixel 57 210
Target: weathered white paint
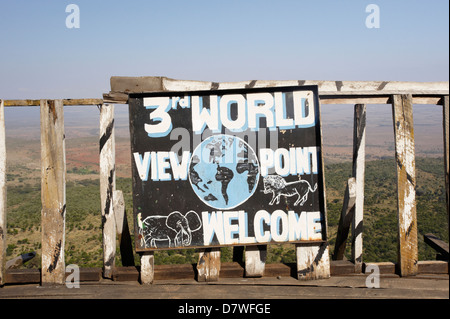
pixel 107 187
pixel 359 152
pixel 208 265
pixel 331 92
pixel 53 191
pixel 151 83
pixel 147 268
pixel 255 260
pixel 313 261
pixel 2 195
pixel 119 211
pixel 402 110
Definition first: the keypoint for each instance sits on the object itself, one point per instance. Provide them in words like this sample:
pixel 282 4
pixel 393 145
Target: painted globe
pixel 224 171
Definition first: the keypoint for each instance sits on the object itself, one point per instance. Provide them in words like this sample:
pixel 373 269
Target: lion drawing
pixel 276 185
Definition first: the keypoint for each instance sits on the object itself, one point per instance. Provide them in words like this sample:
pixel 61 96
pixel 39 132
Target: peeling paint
pixel 107 135
pixel 55 258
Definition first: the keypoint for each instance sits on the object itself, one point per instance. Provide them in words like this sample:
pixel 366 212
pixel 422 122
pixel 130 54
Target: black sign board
pixel 227 167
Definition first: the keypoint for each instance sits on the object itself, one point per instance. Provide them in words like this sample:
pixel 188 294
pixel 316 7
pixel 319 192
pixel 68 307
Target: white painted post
pixel 2 195
pixel 208 265
pixel 53 192
pixel 359 152
pixel 107 187
pixel 313 261
pixel 147 268
pixel 255 260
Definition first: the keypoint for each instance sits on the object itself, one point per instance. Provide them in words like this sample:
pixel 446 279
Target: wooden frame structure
pixel 312 259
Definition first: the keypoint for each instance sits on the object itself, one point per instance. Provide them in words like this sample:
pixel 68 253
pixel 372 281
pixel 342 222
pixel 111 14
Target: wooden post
pixel 53 192
pixel 348 211
pixel 147 268
pixel 2 195
pixel 255 260
pixel 208 266
pixel 123 231
pixel 107 187
pixel 406 182
pixel 313 261
pixel 445 110
pixel 359 152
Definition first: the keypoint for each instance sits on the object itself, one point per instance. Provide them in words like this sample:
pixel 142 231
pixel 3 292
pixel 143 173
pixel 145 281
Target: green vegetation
pixel 83 222
pixel 81 171
pixel 380 206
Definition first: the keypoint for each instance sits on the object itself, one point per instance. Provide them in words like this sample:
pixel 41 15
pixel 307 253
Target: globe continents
pixel 224 171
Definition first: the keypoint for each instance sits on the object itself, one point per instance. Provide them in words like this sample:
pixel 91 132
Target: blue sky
pixel 216 41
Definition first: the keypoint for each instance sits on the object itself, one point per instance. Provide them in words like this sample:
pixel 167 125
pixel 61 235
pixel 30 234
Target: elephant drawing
pixel 176 229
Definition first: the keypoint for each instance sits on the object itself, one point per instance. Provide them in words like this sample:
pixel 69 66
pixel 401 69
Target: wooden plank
pixel 406 182
pixel 445 125
pixel 53 191
pixel 33 276
pixel 312 261
pixel 375 99
pixel 345 219
pixel 147 268
pixel 107 187
pixel 23 276
pixel 341 267
pixel 2 195
pixel 231 270
pixel 122 98
pixel 437 244
pixel 255 260
pixel 72 102
pixel 123 231
pixel 359 152
pixel 433 267
pixel 115 97
pixel 127 84
pixel 90 274
pixel 228 270
pixel 208 265
pixel 384 267
pixel 280 270
pixel 325 87
pixel 64 101
pixel 152 84
pixel 331 92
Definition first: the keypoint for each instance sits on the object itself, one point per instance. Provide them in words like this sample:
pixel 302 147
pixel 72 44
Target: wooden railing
pixel 314 258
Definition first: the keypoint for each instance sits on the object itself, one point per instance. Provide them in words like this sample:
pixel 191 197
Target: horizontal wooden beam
pixel 331 92
pixel 154 84
pixel 66 102
pixel 33 276
pixel 228 270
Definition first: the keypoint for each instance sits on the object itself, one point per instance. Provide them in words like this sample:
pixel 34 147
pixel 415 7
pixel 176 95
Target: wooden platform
pixel 178 281
pixel 336 287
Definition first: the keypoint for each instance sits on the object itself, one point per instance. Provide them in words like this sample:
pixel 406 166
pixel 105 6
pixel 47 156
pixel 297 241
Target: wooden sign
pixel 227 167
